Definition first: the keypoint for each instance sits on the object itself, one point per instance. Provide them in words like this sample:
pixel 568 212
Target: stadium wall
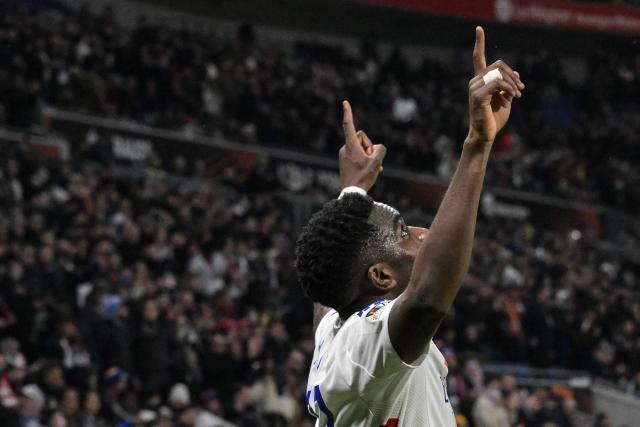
pixel 593 16
pixel 623 408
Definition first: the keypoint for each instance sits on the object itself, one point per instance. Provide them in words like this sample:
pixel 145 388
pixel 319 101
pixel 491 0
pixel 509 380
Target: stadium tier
pixel 569 137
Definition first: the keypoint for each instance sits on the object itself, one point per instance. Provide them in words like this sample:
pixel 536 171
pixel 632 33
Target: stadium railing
pixel 592 394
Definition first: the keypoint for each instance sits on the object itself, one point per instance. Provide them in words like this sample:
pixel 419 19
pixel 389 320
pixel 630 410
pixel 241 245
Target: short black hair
pixel 336 247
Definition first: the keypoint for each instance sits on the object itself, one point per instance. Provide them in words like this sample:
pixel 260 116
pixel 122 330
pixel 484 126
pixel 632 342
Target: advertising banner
pixel 615 18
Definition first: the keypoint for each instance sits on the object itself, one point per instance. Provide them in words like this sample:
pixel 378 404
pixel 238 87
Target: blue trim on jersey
pixel 323 406
pixel 309 404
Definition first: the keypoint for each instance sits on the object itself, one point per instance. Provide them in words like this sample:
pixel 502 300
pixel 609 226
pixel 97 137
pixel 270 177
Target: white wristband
pixel 492 75
pixel 352 189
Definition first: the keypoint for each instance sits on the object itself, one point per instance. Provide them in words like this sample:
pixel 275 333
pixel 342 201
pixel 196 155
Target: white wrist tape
pixel 352 189
pixel 492 75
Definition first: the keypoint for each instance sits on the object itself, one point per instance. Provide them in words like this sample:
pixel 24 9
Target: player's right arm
pixel 443 258
pixel 360 165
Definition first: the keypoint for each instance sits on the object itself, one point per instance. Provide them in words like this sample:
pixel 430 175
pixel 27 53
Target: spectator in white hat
pixel 32 401
pixel 179 397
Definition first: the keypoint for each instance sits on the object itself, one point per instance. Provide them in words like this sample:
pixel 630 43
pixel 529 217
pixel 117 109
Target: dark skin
pixel 428 274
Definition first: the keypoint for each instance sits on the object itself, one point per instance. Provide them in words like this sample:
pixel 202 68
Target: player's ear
pixel 382 276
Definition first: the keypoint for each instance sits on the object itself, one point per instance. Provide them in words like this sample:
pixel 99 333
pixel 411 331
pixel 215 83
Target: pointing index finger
pixel 350 137
pixel 479 61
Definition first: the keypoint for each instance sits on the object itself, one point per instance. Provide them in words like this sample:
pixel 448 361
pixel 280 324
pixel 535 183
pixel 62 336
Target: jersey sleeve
pixel 369 353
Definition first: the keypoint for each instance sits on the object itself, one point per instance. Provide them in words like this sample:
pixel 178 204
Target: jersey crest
pixel 376 311
pixel 373 310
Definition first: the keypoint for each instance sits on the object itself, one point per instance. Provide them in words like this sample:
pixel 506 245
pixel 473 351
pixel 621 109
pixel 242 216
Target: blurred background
pixel 159 158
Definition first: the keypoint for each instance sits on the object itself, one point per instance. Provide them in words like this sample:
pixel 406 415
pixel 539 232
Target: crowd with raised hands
pixel 569 137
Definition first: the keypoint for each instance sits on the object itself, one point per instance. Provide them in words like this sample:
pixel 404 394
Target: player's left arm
pixel 360 165
pixel 442 260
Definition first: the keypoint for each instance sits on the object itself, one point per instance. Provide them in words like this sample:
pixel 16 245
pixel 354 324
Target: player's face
pixel 407 239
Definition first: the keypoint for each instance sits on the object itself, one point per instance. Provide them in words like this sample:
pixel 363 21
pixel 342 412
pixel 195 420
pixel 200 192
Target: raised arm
pixel 360 165
pixel 443 258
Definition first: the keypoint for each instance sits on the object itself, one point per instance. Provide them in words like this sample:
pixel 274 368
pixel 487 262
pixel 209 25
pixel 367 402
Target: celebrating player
pixel 382 288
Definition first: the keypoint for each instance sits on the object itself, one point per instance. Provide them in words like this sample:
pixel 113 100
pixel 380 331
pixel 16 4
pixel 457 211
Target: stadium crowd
pixel 567 137
pixel 138 300
pixel 170 299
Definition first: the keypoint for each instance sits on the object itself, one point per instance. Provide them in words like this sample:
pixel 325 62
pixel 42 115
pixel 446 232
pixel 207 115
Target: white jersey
pixel 358 380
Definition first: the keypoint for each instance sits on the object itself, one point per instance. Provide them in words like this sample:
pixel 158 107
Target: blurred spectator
pixel 91 411
pixel 32 404
pixel 602 420
pixel 488 409
pixel 153 350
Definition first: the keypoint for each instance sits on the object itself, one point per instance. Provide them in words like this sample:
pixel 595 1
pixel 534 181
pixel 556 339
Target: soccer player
pixel 382 288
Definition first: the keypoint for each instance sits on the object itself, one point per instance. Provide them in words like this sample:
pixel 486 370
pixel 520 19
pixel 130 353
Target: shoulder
pixel 325 323
pixel 319 312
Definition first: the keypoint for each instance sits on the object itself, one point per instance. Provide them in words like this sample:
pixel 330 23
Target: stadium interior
pixel 159 160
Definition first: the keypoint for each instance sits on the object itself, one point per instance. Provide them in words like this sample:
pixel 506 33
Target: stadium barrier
pixel 623 408
pixel 593 396
pixel 40 145
pixel 541 377
pixel 562 382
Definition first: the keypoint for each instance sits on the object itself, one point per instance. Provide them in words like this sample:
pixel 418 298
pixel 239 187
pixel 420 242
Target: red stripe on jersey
pixel 393 422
